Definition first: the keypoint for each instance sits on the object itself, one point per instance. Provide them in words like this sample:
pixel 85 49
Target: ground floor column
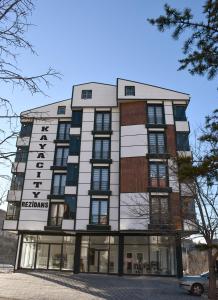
pixel 179 256
pixel 120 255
pixel 77 254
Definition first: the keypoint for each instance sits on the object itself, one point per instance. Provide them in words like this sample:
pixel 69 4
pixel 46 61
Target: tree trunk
pixel 212 276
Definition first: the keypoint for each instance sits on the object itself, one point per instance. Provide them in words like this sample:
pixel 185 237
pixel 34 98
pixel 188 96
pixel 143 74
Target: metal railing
pixel 58 190
pixel 61 162
pixel 101 154
pixel 55 221
pixel 100 185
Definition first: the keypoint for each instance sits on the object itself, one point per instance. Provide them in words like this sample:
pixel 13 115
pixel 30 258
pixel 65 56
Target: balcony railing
pixel 102 127
pixel 99 219
pixel 58 190
pixel 157 149
pixel 158 182
pixel 12 217
pixel 55 221
pixel 100 185
pixel 61 162
pixel 101 154
pixel 16 186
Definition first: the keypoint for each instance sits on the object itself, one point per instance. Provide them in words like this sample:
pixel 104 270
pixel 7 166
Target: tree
pixel 14 23
pixel 201 47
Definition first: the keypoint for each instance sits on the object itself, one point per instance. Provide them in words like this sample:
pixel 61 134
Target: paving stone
pixel 48 285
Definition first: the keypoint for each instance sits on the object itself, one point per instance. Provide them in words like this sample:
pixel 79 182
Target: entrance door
pixel 102 261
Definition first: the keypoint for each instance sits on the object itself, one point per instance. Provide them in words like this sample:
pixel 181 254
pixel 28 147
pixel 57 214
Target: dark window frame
pixel 155 114
pixel 22 154
pixel 101 151
pixel 102 130
pixel 158 175
pixel 58 220
pixel 160 216
pixel 86 94
pixel 16 211
pixel 66 135
pixel 100 182
pixel 74 147
pixel 72 181
pixel 60 187
pixel 63 160
pixel 156 142
pixel 181 145
pixel 129 90
pixel 16 183
pixel 61 110
pixel 99 212
pixel 177 116
pixel 77 117
pixel 26 129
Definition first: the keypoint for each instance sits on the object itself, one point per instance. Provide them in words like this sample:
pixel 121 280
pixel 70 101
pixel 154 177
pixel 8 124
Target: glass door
pixel 103 261
pixel 42 256
pixel 55 256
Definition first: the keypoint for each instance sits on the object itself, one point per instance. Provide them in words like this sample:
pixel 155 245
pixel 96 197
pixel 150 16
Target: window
pixel 129 90
pixel 70 212
pixel 155 114
pixel 99 212
pixel 182 142
pixel 26 129
pixel 159 211
pixel 63 131
pixel 86 94
pixel 59 182
pixel 56 214
pixel 77 118
pixel 61 156
pixel 103 121
pixel 74 144
pixel 158 175
pixel 156 143
pixel 100 179
pixel 17 181
pixel 13 210
pixel 61 110
pixel 101 149
pixel 22 154
pixel 179 112
pixel 72 174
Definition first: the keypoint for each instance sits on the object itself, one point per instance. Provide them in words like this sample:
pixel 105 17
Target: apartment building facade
pixel 94 188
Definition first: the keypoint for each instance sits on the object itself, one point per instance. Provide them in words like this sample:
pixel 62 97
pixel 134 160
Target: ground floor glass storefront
pixel 47 252
pixel 146 255
pixel 136 255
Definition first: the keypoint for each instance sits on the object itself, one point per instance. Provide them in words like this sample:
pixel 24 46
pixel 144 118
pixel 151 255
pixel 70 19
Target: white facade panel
pixel 75 130
pixel 33 215
pixel 133 151
pixel 83 201
pixel 85 156
pixel 87 136
pixel 29 195
pixel 31 174
pixel 81 224
pixel 82 213
pixel 114 225
pixel 150 92
pixel 83 189
pixel 84 177
pixel 87 126
pixel 14 195
pixel 102 95
pixel 67 224
pixel 18 167
pixel 31 225
pixel 73 159
pixel 133 130
pixel 45 184
pixel 133 140
pixel 182 126
pixel 23 141
pixel 114 189
pixel 133 224
pixel 70 190
pixel 115 156
pixel 88 115
pixel 85 167
pixel 86 146
pixel 115 167
pixel 113 214
pixel 114 201
pixel 10 225
pixel 114 178
pixel 36 146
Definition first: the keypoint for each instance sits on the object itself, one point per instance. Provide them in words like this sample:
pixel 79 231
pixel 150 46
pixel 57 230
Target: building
pixel 85 168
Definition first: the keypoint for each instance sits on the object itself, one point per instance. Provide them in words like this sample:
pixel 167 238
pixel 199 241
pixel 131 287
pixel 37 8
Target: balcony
pixel 101 157
pixel 102 128
pixel 158 184
pixel 100 188
pixel 60 164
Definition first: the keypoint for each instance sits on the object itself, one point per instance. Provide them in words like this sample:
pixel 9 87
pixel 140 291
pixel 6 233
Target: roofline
pixel 44 105
pixel 153 86
pixel 95 83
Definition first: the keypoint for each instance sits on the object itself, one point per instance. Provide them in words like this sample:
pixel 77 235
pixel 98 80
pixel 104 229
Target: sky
pixel 100 40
